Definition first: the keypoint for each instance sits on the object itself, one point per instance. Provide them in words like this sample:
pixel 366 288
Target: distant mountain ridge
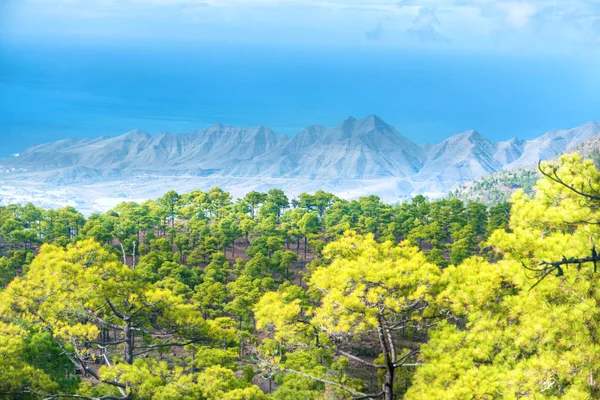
pixel 213 148
pixel 500 186
pixel 355 149
pixel 355 156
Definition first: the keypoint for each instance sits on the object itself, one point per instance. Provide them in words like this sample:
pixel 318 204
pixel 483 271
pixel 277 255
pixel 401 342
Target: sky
pixel 432 68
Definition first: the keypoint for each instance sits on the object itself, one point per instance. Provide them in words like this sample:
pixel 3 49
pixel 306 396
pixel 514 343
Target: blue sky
pixel 71 68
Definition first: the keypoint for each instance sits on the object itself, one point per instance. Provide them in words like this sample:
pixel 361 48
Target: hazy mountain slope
pixel 553 143
pixel 215 148
pixel 462 157
pixel 509 151
pixel 500 186
pixel 224 147
pixel 352 159
pixel 99 153
pixel 355 149
pixel 469 155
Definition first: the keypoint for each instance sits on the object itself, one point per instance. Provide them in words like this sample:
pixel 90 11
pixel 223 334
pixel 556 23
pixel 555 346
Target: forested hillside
pixel 498 187
pixel 195 296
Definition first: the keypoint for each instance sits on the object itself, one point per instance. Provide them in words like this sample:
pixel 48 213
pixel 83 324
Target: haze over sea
pixel 70 69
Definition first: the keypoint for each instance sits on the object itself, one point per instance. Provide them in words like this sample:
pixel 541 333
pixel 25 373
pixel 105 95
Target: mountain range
pixel 347 159
pixel 499 187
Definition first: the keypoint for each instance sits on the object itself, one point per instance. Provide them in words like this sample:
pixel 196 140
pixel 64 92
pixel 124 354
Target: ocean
pixel 54 91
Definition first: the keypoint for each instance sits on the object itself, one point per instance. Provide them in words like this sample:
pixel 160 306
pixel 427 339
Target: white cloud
pixel 425 26
pixel 541 25
pixel 518 14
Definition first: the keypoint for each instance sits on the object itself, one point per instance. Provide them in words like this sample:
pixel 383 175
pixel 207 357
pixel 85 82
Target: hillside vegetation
pixel 498 187
pixel 194 296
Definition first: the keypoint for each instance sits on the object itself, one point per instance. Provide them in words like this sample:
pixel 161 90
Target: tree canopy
pixel 198 296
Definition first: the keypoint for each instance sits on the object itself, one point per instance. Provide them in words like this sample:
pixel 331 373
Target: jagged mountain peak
pixel 515 140
pixel 368 124
pixel 461 157
pixel 472 133
pixel 222 128
pixel 472 136
pixel 218 127
pixel 265 130
pixel 348 123
pixel 354 149
pixel 459 144
pixel 135 134
pixel 374 119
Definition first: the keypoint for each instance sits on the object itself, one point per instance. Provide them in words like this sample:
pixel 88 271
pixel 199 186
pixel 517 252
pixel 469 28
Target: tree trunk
pixel 193 359
pixel 129 342
pixel 388 386
pixel 124 254
pixel 133 255
pixel 305 246
pixel 389 359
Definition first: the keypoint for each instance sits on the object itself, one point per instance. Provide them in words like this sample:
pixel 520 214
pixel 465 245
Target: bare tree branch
pixel 78 364
pixel 114 310
pixel 574 261
pixel 402 360
pixel 352 357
